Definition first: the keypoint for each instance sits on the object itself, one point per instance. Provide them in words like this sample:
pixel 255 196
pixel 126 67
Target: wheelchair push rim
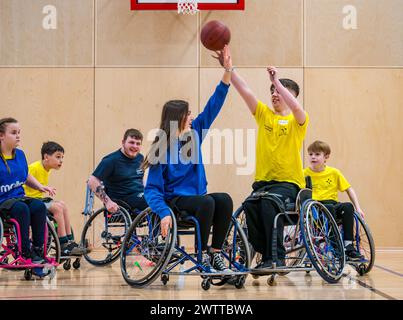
pixel 145 253
pixel 103 234
pixel 365 244
pixel 322 241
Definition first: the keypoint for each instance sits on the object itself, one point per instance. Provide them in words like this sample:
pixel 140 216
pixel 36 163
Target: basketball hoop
pixel 187 7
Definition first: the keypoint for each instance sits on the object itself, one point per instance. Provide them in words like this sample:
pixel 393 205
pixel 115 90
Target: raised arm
pixel 246 93
pixel 239 83
pixel 227 64
pixel 290 100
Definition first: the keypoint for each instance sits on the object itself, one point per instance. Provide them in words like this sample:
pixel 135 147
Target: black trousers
pixel 28 212
pixel 344 212
pixel 136 202
pixel 260 215
pixel 214 209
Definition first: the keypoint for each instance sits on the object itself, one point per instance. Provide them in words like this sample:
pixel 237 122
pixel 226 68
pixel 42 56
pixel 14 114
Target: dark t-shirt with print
pixel 122 176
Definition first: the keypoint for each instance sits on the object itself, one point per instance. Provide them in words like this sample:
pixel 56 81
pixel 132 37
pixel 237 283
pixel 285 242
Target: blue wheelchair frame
pixel 177 255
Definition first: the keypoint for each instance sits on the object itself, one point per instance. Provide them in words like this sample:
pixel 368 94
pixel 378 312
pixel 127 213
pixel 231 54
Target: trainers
pixel 206 263
pixel 352 254
pixel 260 267
pixel 72 249
pixel 264 264
pixel 37 255
pixel 218 263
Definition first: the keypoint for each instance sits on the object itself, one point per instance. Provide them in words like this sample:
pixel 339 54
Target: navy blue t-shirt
pixel 122 176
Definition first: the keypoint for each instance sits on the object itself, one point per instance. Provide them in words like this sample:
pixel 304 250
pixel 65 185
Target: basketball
pixel 215 35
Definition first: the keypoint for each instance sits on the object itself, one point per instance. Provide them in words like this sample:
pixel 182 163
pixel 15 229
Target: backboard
pixel 173 4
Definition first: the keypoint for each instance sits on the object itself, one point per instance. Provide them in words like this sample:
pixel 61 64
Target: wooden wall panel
pixel 54 104
pixel 133 98
pixel 267 32
pixel 24 41
pixel 376 41
pixel 358 113
pixel 144 38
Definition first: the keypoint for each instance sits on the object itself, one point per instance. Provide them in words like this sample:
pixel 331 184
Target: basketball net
pixel 187 7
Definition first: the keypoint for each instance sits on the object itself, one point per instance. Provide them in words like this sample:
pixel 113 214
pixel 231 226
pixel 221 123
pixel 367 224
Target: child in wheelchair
pixel 52 158
pixel 14 205
pixel 326 182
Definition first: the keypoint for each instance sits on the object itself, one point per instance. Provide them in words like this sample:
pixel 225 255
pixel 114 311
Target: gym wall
pixel 105 68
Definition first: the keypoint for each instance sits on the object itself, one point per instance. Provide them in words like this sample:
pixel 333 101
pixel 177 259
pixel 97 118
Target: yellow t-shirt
pixel 37 170
pixel 278 147
pixel 327 183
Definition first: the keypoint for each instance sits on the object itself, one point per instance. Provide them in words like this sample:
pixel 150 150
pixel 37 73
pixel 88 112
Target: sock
pixel 63 240
pixel 347 242
pixel 70 237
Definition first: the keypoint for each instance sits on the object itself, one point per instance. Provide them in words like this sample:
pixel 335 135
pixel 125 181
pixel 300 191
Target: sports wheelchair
pixel 11 252
pixel 103 231
pixel 146 255
pixel 311 237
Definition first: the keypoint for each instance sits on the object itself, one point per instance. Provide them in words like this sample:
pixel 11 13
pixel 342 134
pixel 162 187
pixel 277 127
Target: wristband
pixel 230 70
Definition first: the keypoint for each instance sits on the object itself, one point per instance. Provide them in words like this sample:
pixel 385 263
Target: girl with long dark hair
pixel 177 177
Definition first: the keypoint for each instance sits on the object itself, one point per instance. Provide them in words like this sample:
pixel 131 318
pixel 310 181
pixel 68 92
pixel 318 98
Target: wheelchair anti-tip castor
pixel 206 283
pixel 76 264
pixel 239 284
pixel 28 274
pixel 361 269
pixel 67 265
pixel 270 281
pixel 164 279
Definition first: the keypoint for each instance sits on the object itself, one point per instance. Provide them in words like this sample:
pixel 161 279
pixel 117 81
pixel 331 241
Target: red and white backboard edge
pixel 173 5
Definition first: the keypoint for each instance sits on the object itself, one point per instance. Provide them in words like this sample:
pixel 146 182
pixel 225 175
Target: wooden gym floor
pixel 385 281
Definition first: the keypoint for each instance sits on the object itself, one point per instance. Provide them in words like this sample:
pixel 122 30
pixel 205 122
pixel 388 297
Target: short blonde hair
pixel 319 146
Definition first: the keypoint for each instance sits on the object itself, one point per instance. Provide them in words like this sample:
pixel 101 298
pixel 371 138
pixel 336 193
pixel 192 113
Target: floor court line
pixel 366 286
pixel 389 270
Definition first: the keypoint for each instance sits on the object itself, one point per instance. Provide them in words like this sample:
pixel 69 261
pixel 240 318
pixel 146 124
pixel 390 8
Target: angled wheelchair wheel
pixel 365 245
pixel 53 249
pixel 322 241
pixel 103 234
pixel 240 216
pixel 236 253
pixel 237 248
pixel 145 253
pixel 294 247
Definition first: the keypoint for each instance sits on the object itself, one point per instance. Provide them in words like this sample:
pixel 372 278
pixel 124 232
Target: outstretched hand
pixel 273 73
pixel 50 190
pixel 224 57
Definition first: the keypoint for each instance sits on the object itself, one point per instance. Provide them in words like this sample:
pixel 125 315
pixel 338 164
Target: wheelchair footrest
pixel 270 271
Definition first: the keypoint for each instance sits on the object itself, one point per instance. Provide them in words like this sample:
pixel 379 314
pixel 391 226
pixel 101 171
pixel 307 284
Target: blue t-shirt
pixel 11 182
pixel 178 178
pixel 121 175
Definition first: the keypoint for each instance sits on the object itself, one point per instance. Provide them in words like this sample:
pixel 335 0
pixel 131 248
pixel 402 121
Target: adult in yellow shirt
pixel 281 132
pixel 52 158
pixel 326 183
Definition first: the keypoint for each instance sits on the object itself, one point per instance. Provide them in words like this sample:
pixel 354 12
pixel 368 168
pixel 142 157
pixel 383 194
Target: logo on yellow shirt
pixel 283 131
